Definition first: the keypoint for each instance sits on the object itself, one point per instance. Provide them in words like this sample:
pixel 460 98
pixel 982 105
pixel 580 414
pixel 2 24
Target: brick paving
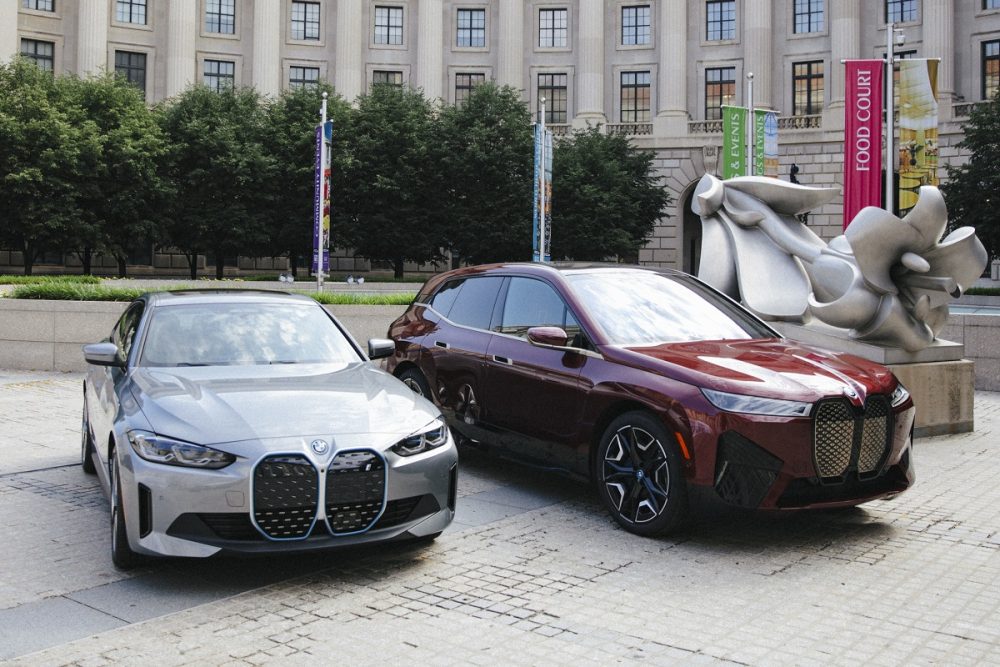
pixel 545 579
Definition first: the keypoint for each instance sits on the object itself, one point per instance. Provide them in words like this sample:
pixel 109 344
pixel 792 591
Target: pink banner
pixel 862 136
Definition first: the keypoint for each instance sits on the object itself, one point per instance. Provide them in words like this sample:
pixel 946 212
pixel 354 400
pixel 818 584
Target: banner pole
pixel 541 191
pixel 890 112
pixel 748 165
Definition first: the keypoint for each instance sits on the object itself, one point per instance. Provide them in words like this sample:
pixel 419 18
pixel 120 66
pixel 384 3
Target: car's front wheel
pixel 86 443
pixel 638 474
pixel 121 553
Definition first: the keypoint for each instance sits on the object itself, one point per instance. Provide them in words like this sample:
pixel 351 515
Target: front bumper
pixel 174 511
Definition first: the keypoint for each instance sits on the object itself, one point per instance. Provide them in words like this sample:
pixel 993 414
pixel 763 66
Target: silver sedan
pixel 251 422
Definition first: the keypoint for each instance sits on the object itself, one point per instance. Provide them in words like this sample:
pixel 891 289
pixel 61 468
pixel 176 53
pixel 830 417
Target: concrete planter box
pixel 48 335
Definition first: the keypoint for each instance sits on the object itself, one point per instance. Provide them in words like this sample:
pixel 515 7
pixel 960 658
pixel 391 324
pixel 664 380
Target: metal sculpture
pixel 886 280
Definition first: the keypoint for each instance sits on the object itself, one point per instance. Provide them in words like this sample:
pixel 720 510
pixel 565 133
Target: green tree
pixel 972 187
pixel 605 197
pixel 215 166
pixel 290 140
pixel 45 146
pixel 486 156
pixel 386 204
pixel 121 195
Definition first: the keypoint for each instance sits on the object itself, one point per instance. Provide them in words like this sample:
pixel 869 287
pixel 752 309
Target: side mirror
pixel 379 348
pixel 102 354
pixel 547 337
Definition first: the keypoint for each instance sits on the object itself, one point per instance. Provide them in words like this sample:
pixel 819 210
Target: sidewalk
pixel 533 572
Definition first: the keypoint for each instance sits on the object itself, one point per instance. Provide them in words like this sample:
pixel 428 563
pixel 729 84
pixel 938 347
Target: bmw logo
pixel 319 446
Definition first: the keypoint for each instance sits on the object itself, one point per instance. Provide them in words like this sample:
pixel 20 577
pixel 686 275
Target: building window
pixel 388 25
pixel 471 27
pixel 130 11
pixel 553 27
pixel 39 5
pixel 303 77
pixel 220 74
pixel 40 53
pixel 900 11
pixel 220 16
pixel 720 89
pixel 635 97
pixel 465 82
pixel 553 88
pixel 387 77
pixel 807 88
pixel 720 20
pixel 991 69
pixel 133 67
pixel 991 4
pixel 305 20
pixel 808 16
pixel 635 25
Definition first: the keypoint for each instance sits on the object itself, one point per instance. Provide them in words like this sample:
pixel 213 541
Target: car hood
pixel 772 368
pixel 212 405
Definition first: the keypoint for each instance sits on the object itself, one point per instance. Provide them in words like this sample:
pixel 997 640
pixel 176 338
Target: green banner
pixel 759 116
pixel 734 141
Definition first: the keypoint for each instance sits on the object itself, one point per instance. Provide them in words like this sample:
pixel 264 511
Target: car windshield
pixel 227 334
pixel 647 308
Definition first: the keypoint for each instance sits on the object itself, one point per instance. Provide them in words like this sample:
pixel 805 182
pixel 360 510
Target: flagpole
pixel 748 164
pixel 541 190
pixel 890 121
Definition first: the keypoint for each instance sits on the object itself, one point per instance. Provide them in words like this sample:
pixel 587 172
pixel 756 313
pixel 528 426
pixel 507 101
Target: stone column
pixel 182 28
pixel 672 116
pixel 590 80
pixel 92 37
pixel 349 78
pixel 10 46
pixel 510 70
pixel 845 44
pixel 939 42
pixel 430 48
pixel 267 26
pixel 758 48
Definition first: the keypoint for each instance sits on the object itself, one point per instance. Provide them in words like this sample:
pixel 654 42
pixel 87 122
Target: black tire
pixel 86 444
pixel 122 555
pixel 415 380
pixel 637 470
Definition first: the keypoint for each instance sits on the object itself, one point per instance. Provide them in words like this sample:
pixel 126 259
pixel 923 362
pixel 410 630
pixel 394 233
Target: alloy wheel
pixel 636 475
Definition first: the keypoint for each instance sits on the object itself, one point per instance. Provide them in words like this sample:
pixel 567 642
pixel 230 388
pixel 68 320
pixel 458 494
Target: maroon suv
pixel 647 381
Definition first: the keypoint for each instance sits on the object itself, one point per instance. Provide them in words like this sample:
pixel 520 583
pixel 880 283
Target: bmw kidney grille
pixel 846 438
pixel 355 491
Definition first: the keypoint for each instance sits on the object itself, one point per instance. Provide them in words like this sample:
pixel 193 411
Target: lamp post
pixel 748 165
pixel 891 33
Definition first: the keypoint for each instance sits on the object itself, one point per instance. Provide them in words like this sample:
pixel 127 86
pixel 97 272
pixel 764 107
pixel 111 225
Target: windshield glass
pixel 243 334
pixel 646 308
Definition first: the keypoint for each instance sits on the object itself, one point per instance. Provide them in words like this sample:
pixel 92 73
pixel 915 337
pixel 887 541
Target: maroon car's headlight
pixel 756 405
pixel 168 451
pixel 899 395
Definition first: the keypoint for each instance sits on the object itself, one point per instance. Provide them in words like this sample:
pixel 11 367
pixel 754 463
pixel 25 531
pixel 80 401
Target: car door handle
pixel 502 360
pixel 442 344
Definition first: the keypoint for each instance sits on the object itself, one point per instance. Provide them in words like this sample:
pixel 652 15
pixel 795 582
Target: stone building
pixel 657 70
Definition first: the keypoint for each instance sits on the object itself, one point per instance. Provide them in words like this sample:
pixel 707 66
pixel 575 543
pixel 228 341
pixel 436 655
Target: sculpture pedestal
pixel 940 381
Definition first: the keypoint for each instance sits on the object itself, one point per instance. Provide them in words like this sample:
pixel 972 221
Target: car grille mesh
pixel 845 436
pixel 285 496
pixel 355 491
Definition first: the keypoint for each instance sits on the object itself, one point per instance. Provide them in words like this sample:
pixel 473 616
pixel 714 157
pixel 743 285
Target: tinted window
pixel 646 308
pixel 221 334
pixel 445 298
pixel 124 333
pixel 533 303
pixel 473 306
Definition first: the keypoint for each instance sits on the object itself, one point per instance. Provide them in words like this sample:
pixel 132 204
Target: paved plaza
pixel 532 572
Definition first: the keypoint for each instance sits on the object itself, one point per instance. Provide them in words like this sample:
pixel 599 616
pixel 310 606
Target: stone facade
pixel 596 44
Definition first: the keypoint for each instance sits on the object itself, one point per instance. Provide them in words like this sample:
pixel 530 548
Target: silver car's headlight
pixel 159 449
pixel 755 405
pixel 899 395
pixel 430 437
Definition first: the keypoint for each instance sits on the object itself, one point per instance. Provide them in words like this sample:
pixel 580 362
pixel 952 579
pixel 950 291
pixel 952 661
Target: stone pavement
pixel 533 572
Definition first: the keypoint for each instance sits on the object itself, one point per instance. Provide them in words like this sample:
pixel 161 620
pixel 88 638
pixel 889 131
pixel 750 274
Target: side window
pixel 473 307
pixel 124 334
pixel 445 297
pixel 533 303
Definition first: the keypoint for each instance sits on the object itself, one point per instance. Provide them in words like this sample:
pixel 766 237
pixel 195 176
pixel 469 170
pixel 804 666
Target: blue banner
pixel 541 209
pixel 321 199
pixel 534 205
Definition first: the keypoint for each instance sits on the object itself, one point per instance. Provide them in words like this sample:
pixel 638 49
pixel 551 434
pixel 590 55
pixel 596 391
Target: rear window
pixel 469 301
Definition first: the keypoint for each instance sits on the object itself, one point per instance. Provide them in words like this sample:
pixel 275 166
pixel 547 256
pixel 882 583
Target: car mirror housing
pixel 379 348
pixel 547 336
pixel 102 354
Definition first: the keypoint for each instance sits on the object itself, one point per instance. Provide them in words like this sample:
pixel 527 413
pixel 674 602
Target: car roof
pixel 223 295
pixel 549 268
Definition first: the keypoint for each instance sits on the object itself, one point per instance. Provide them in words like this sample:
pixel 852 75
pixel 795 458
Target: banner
pixel 918 129
pixel 862 136
pixel 541 209
pixel 321 200
pixel 765 130
pixel 734 141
